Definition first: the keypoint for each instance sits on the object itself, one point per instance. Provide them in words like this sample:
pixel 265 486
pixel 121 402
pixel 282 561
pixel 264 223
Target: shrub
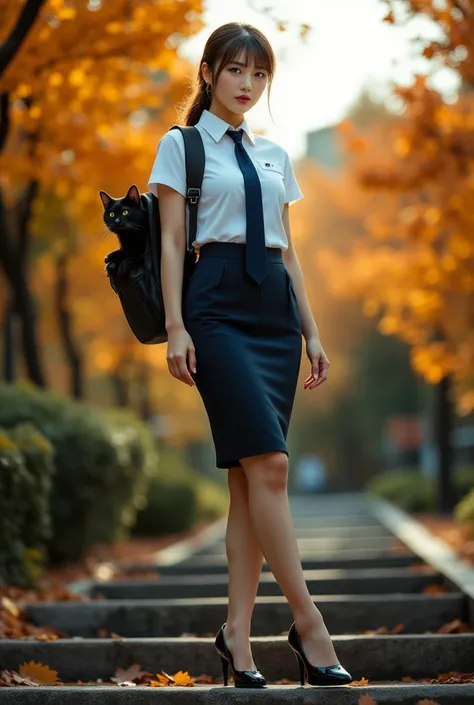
pixel 103 462
pixel 407 488
pixel 212 500
pixel 414 492
pixel 464 512
pixel 178 498
pixel 27 469
pixel 172 498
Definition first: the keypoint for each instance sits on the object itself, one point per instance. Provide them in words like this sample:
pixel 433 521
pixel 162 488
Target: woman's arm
pixel 173 240
pixel 290 259
pixel 314 350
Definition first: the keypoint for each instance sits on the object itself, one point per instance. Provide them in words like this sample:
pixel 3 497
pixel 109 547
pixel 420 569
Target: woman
pixel 237 334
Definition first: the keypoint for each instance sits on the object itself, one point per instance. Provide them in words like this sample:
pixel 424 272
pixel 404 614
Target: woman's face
pixel 235 80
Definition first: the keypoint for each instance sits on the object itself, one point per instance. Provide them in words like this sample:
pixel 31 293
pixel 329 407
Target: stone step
pixel 311 554
pixel 329 543
pixel 272 615
pixel 392 694
pixel 335 520
pixel 381 658
pixel 339 531
pixel 214 564
pixel 320 582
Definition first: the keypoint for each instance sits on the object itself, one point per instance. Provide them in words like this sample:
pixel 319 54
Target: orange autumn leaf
pixel 183 678
pixel 366 700
pixel 39 673
pixel 363 681
pixel 410 184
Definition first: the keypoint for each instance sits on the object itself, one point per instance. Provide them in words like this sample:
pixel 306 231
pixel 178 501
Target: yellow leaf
pixel 67 13
pixel 56 79
pixel 113 27
pixel 183 678
pixel 10 606
pixel 37 672
pixel 402 146
pixel 76 77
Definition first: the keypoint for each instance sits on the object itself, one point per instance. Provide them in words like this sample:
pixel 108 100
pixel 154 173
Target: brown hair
pixel 224 45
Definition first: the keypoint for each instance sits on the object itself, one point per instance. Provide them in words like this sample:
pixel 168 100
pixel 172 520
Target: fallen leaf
pixel 454 627
pixel 363 681
pixel 11 607
pixel 183 678
pixel 37 672
pixel 130 674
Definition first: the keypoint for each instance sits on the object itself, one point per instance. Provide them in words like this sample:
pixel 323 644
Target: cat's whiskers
pixel 103 233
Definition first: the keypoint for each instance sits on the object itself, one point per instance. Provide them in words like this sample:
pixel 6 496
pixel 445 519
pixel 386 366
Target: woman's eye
pixel 112 215
pixel 124 212
pixel 235 68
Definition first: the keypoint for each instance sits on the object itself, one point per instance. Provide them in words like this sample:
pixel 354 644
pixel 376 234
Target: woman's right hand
pixel 180 350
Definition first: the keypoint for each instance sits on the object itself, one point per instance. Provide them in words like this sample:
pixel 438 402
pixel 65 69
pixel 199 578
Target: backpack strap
pixel 195 159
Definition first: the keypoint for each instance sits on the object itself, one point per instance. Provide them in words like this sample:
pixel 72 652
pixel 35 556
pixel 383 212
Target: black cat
pixel 127 218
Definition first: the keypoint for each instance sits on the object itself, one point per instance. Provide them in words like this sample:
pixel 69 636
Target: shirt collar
pixel 217 127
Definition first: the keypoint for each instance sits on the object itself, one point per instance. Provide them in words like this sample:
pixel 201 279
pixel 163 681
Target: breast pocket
pixel 269 166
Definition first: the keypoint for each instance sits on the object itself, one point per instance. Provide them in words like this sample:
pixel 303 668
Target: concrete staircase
pixel 359 575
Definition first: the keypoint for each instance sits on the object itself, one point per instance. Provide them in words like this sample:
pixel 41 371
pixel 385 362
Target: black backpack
pixel 137 280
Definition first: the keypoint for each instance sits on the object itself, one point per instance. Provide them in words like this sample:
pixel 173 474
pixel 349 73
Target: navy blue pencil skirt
pixel 248 341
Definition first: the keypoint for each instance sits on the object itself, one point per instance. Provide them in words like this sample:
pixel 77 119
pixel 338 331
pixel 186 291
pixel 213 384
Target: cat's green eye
pixel 112 215
pixel 124 212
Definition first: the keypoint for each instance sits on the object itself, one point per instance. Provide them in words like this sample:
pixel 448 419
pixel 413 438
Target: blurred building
pixel 323 146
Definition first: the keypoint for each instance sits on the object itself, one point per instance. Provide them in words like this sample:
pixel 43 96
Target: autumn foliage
pixel 86 99
pixel 414 267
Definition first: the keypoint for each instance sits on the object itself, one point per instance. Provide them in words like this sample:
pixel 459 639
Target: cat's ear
pixel 133 194
pixel 105 198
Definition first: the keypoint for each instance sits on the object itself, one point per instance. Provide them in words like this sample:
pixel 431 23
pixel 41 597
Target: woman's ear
pixel 206 74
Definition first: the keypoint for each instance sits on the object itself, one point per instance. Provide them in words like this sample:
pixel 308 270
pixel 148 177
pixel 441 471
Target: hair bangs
pixel 253 50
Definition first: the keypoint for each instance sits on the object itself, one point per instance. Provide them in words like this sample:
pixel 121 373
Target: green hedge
pixel 412 491
pixel 27 469
pixel 179 497
pixel 104 462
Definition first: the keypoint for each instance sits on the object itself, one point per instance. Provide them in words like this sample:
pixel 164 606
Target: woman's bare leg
pixel 245 560
pixel 269 508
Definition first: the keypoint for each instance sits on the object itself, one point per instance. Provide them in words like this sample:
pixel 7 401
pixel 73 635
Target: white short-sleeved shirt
pixel 221 211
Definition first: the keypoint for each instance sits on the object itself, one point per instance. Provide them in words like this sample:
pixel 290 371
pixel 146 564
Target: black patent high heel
pixel 242 679
pixel 316 675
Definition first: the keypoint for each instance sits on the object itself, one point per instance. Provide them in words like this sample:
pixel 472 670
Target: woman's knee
pixel 268 469
pixel 237 482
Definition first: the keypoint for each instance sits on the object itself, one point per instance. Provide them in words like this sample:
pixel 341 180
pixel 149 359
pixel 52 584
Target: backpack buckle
pixel 193 195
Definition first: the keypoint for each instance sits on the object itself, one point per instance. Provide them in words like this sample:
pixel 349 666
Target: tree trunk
pixel 121 388
pixel 13 259
pixel 73 354
pixel 15 274
pixel 26 19
pixel 145 407
pixel 9 372
pixel 444 418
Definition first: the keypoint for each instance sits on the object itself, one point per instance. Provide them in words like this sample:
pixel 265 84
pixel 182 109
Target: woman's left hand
pixel 319 363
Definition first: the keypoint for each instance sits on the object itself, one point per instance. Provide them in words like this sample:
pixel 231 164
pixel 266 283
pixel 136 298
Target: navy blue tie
pixel 255 253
